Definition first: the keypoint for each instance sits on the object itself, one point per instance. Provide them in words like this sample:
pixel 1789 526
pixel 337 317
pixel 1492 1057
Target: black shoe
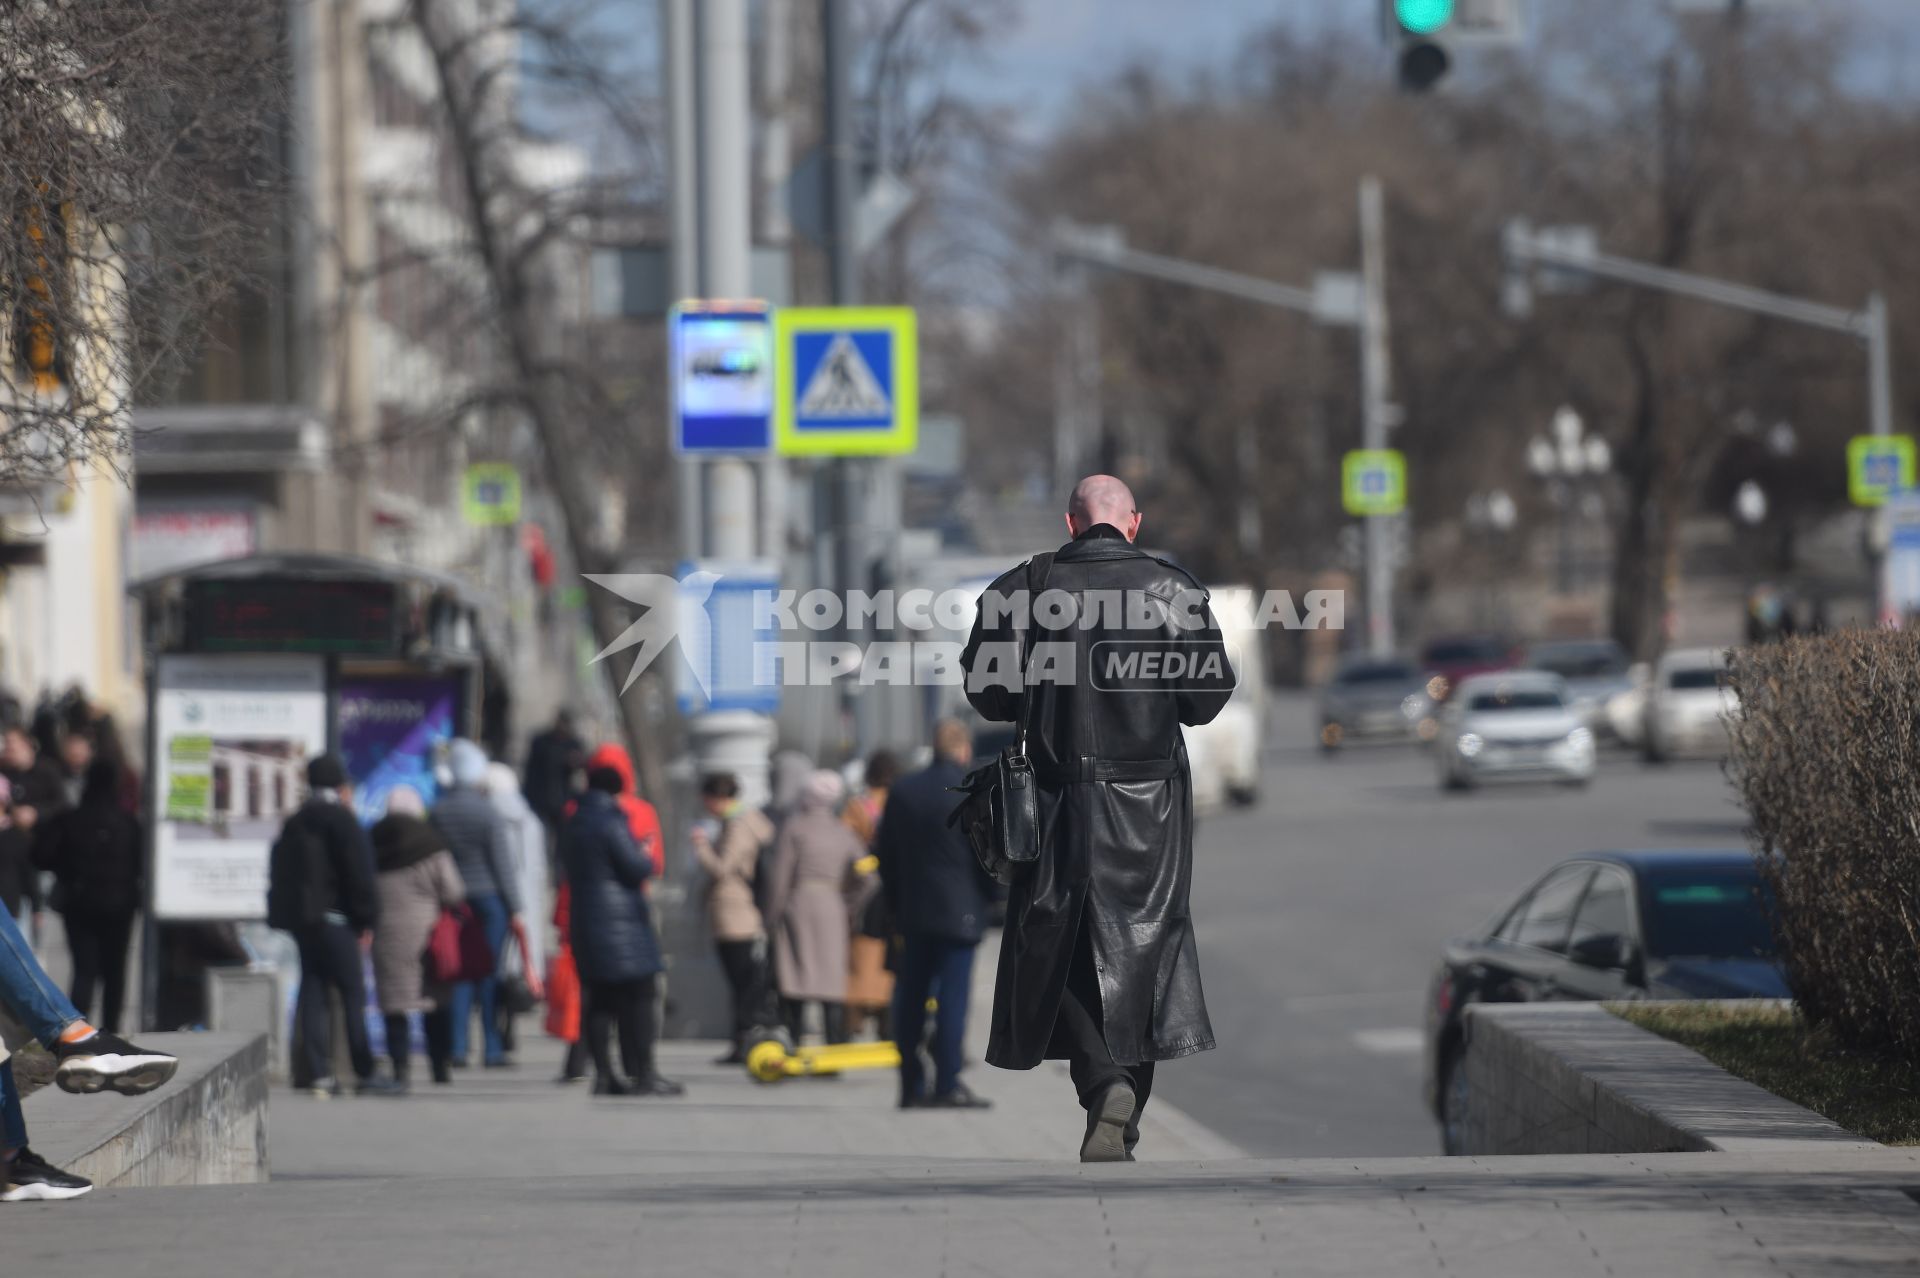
pixel 380 1087
pixel 611 1087
pixel 916 1101
pixel 499 1062
pixel 457 1062
pixel 102 1061
pixel 959 1098
pixel 567 1080
pixel 29 1178
pixel 654 1085
pixel 734 1057
pixel 1107 1121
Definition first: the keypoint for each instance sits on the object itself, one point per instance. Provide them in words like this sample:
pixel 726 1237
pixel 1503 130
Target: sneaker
pixel 30 1178
pixel 568 1080
pixel 380 1087
pixel 959 1098
pixel 1106 1140
pixel 324 1088
pixel 102 1060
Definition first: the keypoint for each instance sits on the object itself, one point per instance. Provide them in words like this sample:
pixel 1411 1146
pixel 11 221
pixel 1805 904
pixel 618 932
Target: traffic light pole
pixel 1526 247
pixel 1105 249
pixel 1376 398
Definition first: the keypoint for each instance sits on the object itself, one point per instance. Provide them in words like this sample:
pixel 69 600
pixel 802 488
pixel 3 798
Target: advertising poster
pixel 231 740
pixel 392 729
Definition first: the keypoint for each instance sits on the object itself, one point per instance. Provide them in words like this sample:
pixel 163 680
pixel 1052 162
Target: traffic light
pixel 1419 26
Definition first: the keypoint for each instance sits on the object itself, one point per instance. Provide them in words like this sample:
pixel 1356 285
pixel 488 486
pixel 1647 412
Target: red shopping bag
pixel 563 997
pixel 458 950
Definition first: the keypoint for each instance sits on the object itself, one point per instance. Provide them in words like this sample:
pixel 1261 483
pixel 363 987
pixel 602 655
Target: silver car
pixel 1515 725
pixel 1596 671
pixel 1687 706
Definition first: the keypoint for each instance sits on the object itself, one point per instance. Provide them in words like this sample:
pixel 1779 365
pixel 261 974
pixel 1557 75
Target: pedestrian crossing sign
pixel 846 381
pixel 1877 467
pixel 1373 481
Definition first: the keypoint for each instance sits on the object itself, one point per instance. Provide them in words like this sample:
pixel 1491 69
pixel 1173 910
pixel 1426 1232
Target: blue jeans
pixel 931 965
pixel 31 1005
pixel 493 916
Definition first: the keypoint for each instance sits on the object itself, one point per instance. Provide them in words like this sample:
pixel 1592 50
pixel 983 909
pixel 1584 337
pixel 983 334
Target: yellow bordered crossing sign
pixel 1373 481
pixel 846 381
pixel 1877 467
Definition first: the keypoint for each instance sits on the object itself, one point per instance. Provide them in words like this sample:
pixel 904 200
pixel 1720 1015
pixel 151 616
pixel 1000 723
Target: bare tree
pixel 137 174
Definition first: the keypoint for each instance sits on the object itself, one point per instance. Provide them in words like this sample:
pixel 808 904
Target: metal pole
pixel 1068 391
pixel 776 228
pixel 1376 390
pixel 1880 363
pixel 843 261
pixel 683 216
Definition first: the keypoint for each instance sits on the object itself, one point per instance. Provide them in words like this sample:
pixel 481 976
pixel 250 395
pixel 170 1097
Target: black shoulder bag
pixel 1000 810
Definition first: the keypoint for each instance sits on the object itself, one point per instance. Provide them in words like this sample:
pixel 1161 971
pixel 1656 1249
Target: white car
pixel 1687 705
pixel 1514 725
pixel 1225 754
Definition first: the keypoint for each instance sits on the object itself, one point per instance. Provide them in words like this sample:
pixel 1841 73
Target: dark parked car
pixel 1449 659
pixel 1609 925
pixel 1371 697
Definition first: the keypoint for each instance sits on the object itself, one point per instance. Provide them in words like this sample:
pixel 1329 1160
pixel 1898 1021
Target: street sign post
pixel 1878 466
pixel 1373 482
pixel 846 381
pixel 721 369
pixel 722 647
pixel 490 494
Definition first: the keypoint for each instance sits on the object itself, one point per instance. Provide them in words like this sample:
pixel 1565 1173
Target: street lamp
pixel 1750 504
pixel 1562 459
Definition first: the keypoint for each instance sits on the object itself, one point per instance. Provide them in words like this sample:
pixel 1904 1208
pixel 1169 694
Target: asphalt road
pixel 1321 914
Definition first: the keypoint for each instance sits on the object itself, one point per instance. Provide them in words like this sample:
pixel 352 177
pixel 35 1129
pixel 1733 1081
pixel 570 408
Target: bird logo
pixel 673 608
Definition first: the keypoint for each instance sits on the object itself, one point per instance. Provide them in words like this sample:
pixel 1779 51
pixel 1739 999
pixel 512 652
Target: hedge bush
pixel 1826 754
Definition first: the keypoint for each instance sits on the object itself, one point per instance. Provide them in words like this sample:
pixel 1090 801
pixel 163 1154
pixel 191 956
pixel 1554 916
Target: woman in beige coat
pixel 807 905
pixel 416 879
pixel 731 860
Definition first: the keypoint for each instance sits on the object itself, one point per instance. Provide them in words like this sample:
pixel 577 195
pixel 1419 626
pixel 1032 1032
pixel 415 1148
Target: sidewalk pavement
pixel 506 1173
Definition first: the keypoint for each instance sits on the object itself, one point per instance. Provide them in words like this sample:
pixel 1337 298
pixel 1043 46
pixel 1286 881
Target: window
pixel 1549 915
pixel 1710 912
pixel 1695 679
pixel 1607 910
pixel 1517 699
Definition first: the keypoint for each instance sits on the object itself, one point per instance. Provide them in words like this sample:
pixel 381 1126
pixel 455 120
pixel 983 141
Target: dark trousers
pixel 330 963
pixel 1079 1031
pixel 438 1025
pixel 833 1018
pixel 746 982
pixel 98 943
pixel 629 1005
pixel 930 966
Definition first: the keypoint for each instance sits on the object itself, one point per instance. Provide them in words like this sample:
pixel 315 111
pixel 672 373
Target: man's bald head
pixel 1102 499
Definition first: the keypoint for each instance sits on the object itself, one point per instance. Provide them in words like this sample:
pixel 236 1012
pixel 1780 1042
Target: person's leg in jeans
pixel 910 985
pixel 115 932
pixel 494 918
pixel 83 947
pixel 833 1021
pixel 736 960
pixel 316 1018
pixel 13 1119
pixel 953 985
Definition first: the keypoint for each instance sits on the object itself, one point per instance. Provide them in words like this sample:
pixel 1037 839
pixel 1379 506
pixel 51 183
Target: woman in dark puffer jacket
pixel 613 942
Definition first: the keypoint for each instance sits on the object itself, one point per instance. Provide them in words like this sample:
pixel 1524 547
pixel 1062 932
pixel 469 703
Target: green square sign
pixel 1877 467
pixel 490 494
pixel 1373 481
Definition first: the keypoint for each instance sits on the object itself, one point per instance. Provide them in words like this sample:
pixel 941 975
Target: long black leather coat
pixel 1116 814
pixel 611 925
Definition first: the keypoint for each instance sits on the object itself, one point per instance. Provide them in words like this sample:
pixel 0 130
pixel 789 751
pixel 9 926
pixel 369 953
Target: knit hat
pixel 468 763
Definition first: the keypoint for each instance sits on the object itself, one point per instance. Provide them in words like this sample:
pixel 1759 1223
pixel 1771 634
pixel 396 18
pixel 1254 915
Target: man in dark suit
pixel 940 899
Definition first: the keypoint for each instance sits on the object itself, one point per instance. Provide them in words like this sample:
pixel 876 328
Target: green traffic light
pixel 1424 17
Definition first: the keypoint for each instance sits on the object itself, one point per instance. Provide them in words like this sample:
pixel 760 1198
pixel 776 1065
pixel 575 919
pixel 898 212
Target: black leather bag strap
pixel 1038 569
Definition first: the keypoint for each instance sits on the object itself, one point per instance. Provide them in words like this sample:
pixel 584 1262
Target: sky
pixel 1059 47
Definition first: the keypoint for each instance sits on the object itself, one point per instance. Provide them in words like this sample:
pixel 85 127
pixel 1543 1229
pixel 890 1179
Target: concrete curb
pixel 1573 1078
pixel 208 1126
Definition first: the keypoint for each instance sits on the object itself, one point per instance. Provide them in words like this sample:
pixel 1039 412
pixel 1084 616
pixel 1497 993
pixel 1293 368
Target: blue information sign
pixel 722 373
